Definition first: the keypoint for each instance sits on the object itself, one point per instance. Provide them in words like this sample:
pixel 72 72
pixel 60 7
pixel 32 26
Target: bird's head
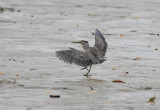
pixel 84 44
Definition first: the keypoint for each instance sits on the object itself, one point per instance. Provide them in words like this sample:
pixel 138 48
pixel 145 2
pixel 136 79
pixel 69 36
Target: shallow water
pixel 30 72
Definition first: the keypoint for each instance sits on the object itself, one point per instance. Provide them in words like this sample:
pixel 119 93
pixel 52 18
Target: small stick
pixel 91 88
pixel 54 96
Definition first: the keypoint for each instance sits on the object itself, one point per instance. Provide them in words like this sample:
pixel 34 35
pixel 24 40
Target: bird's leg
pixel 84 68
pixel 88 71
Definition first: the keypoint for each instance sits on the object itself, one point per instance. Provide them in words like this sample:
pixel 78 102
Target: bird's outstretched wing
pixel 100 44
pixel 77 57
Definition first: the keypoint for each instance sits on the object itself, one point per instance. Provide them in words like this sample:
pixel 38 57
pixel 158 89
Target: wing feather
pixel 100 44
pixel 77 57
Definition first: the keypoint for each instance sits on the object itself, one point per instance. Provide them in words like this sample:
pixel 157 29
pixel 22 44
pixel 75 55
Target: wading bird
pixel 90 55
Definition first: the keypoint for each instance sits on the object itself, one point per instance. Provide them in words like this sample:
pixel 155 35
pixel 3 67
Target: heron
pixel 87 57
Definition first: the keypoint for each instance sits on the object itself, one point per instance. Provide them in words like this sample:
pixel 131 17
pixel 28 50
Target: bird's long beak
pixel 78 42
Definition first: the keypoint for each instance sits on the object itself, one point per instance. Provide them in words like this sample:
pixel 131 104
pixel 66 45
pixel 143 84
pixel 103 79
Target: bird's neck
pixel 85 46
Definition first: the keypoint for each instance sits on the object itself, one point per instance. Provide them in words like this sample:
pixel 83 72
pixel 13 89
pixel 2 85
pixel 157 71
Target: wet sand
pixel 32 32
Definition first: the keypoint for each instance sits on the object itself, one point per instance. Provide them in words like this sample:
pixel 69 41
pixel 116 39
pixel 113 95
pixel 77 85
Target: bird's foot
pixel 87 73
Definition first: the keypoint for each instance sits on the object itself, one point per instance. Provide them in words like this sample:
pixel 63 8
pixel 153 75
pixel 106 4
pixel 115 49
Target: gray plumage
pixel 78 57
pixel 90 55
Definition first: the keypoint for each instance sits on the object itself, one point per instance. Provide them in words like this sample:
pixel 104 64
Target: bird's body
pixel 90 55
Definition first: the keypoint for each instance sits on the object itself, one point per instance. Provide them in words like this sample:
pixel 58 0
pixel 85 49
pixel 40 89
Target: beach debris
pixel 92 90
pixel 118 81
pixel 17 74
pixel 1 72
pixel 121 35
pixel 54 96
pixel 18 10
pixel 156 48
pixel 137 58
pixel 152 34
pixel 152 99
pixel 2 9
pixel 126 72
pixel 12 59
pixel 133 31
pixel 147 88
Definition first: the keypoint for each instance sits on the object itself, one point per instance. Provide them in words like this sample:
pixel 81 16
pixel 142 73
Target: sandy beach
pixel 32 31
